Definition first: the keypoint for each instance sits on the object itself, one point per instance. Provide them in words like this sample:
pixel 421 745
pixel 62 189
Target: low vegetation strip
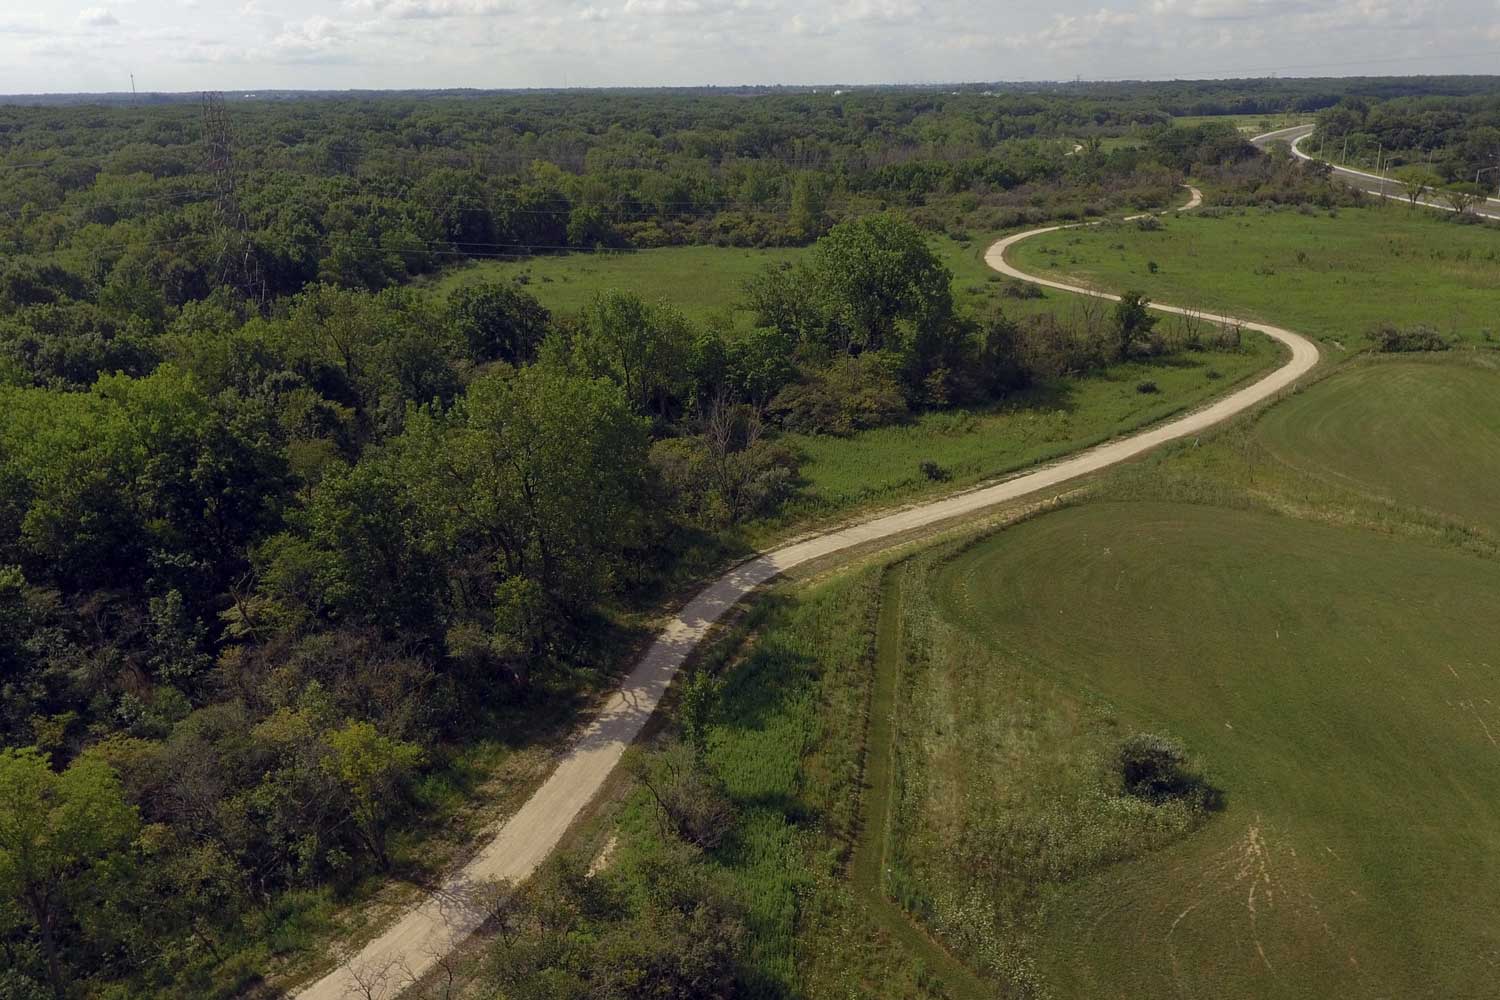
pixel 868 864
pixel 429 930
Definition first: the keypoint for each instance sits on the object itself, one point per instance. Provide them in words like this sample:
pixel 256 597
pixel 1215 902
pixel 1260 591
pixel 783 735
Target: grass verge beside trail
pixel 788 742
pixel 883 466
pixel 1331 275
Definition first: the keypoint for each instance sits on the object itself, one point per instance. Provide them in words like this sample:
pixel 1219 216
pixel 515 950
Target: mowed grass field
pixel 1332 276
pixel 1255 596
pixel 1339 687
pixel 1422 433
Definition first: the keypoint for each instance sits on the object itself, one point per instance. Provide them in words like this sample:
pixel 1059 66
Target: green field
pixel 883 465
pixel 1338 687
pixel 1332 675
pixel 1333 276
pixel 705 282
pixel 1248 124
pixel 1415 433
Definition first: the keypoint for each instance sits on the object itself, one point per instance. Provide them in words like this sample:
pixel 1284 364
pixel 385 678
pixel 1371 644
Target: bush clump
pixel 1391 339
pixel 691 804
pixel 1021 290
pixel 1154 768
pixel 934 472
pixel 1147 388
pixel 852 394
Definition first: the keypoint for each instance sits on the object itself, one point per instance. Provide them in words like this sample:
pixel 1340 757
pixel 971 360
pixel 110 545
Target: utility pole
pixel 1485 170
pixel 1344 156
pixel 237 266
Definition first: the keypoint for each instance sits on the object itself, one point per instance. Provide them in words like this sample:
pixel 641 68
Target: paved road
pixel 1367 182
pixel 435 926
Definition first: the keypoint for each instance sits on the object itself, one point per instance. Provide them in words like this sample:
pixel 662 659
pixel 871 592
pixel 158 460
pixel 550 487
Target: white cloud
pixel 1231 10
pixel 314 39
pixel 97 17
pixel 427 10
pixel 1070 31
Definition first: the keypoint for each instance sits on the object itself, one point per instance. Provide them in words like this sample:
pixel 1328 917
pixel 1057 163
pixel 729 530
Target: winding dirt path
pixel 426 932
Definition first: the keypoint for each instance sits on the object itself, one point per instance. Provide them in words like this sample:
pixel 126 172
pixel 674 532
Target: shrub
pixel 1391 339
pixel 727 474
pixel 1147 388
pixel 691 803
pixel 1133 322
pixel 934 472
pixel 852 394
pixel 1048 346
pixel 1021 289
pixel 1153 767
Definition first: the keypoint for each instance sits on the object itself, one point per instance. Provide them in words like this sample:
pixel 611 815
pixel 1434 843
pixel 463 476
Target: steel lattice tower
pixel 237 265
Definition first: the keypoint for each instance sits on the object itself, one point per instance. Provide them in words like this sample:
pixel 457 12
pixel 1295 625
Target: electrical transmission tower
pixel 237 265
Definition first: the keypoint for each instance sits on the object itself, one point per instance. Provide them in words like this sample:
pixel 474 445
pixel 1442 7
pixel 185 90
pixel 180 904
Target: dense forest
pixel 278 529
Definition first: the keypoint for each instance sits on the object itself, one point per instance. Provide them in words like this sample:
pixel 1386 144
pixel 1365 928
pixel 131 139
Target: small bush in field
pixel 1154 767
pixel 1214 373
pixel 1391 339
pixel 936 473
pixel 1021 290
pixel 690 800
pixel 1147 388
pixel 1152 266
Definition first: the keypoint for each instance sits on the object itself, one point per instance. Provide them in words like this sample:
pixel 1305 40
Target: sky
pixel 49 46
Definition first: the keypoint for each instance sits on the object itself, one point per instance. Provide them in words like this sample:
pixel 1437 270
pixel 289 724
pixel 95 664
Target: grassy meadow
pixel 883 465
pixel 1304 599
pixel 703 281
pixel 1423 433
pixel 1332 275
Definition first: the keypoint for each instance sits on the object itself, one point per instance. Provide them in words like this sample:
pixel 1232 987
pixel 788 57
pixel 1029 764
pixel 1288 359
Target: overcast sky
pixel 56 45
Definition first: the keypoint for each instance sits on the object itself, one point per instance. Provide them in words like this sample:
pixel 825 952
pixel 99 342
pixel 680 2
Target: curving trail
pixel 426 932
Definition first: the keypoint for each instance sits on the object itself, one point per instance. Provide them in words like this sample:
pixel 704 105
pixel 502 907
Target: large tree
pixel 59 832
pixel 882 283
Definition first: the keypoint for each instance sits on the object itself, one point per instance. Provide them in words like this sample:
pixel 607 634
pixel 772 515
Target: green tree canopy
pixel 57 834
